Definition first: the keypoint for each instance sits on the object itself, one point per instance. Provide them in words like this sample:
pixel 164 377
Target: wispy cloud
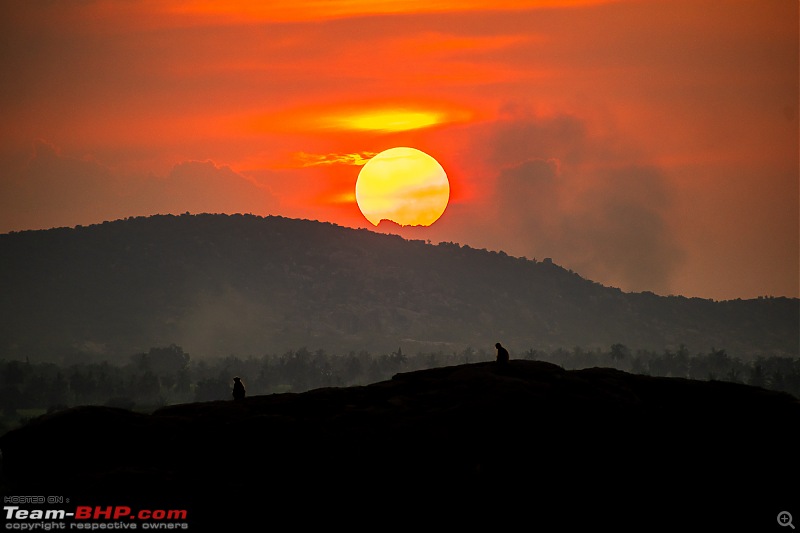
pixel 315 160
pixel 326 9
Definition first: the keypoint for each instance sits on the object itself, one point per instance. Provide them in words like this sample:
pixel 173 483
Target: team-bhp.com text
pixel 94 518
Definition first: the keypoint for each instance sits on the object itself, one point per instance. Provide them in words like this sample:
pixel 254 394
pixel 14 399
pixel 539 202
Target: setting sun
pixel 404 185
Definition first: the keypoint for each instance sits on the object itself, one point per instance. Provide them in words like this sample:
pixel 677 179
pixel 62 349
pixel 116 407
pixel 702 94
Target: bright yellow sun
pixel 404 185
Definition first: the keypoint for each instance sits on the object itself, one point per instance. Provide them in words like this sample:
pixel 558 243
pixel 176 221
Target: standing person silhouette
pixel 238 389
pixel 502 355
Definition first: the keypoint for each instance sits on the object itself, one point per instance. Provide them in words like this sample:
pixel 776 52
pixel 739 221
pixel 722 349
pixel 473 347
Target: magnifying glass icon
pixel 785 519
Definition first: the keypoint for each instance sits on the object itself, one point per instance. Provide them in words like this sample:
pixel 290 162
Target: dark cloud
pixel 526 204
pixel 621 232
pixel 521 138
pixel 608 223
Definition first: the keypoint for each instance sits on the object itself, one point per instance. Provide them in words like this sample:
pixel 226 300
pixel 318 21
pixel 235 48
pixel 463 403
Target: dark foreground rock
pixel 532 445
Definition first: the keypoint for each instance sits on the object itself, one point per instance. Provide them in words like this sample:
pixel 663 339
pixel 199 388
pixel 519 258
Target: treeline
pixel 168 375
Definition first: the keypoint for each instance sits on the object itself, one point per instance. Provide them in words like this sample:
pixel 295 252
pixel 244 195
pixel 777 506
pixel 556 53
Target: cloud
pixel 202 186
pixel 49 189
pixel 607 223
pixel 518 137
pixel 621 231
pixel 391 115
pixel 313 160
pixel 549 192
pixel 528 214
pixel 614 231
pixel 247 10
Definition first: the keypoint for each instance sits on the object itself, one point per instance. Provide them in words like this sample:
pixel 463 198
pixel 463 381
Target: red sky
pixel 647 145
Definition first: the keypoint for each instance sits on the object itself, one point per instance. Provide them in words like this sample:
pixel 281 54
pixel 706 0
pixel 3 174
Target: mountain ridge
pixel 242 284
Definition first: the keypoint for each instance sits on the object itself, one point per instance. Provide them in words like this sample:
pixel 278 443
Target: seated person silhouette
pixel 238 389
pixel 502 355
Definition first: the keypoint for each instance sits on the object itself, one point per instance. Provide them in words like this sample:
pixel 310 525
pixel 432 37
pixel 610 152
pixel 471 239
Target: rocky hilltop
pixel 531 444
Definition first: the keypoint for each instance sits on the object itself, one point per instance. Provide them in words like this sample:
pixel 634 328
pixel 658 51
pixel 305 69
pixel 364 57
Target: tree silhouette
pixel 619 352
pixel 757 376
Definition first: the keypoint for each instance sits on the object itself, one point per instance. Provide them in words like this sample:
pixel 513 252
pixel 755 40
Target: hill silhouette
pixel 533 444
pixel 242 284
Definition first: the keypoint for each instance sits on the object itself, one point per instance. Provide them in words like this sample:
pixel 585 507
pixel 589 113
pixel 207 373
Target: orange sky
pixel 646 145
